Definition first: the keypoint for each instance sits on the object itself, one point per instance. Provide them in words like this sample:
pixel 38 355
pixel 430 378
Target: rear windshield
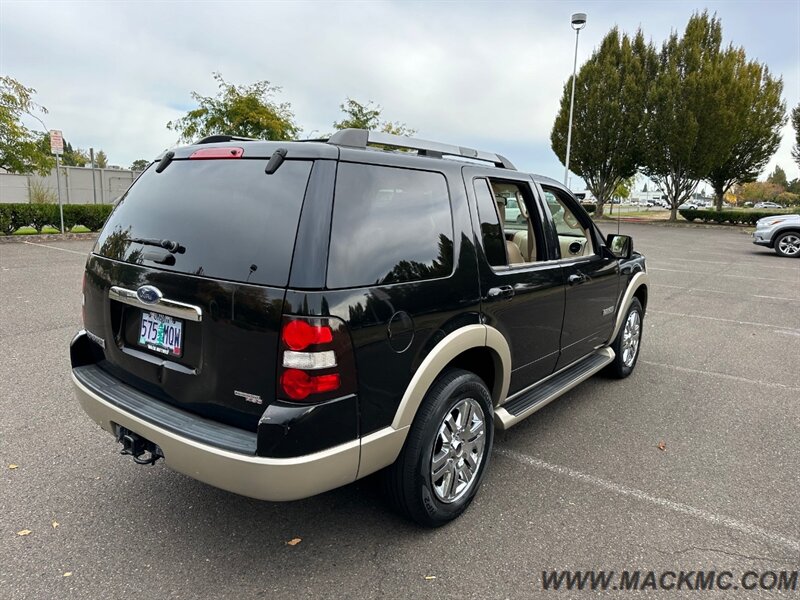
pixel 231 220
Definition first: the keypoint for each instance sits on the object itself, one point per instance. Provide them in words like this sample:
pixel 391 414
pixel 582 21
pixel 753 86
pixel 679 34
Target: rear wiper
pixel 168 245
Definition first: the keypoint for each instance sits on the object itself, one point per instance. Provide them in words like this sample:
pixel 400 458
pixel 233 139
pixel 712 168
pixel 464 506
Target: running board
pixel 529 401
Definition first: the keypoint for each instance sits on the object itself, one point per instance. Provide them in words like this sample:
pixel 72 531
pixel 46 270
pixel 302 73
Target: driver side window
pixel 574 239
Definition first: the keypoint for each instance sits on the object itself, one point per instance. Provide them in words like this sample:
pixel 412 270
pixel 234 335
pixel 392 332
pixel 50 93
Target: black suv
pixel 281 318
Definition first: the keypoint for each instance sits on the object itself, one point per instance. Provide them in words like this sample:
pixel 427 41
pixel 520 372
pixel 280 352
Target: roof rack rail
pixel 213 139
pixel 361 138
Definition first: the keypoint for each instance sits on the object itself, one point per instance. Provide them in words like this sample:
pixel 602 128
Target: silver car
pixel 781 232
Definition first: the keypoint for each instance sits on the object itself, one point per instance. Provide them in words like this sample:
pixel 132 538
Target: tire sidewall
pixel 464 386
pixel 623 369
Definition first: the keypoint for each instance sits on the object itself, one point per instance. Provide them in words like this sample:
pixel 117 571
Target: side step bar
pixel 527 402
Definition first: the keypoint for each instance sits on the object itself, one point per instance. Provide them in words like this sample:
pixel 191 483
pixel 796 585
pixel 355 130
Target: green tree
pixel 684 103
pixel 242 110
pixel 749 123
pixel 20 147
pixel 778 177
pixel 368 116
pixel 796 125
pixel 74 157
pixel 610 95
pixel 139 164
pixel 100 160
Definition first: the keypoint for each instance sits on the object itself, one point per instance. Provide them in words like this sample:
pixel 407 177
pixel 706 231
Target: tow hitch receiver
pixel 143 451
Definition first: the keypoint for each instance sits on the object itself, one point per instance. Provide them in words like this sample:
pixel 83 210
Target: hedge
pixel 735 217
pixel 14 216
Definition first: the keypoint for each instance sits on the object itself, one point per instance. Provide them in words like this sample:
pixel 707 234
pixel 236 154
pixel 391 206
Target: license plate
pixel 161 333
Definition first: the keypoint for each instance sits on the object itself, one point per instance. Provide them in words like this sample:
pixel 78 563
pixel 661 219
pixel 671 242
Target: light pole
pixel 578 23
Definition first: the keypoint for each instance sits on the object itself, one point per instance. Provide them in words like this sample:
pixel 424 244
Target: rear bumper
pixel 275 479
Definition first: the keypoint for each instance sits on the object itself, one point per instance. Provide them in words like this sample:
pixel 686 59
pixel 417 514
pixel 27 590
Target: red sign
pixel 56 142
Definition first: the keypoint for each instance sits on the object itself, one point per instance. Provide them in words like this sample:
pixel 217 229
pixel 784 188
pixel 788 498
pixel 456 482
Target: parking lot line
pixel 698 513
pixel 721 375
pixel 707 273
pixel 729 263
pixel 737 294
pixel 734 321
pixel 55 248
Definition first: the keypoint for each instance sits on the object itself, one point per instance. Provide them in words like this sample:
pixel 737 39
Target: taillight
pixel 316 360
pixel 207 153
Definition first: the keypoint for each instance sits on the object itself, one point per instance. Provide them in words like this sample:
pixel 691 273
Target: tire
pixel 410 484
pixel 623 363
pixel 788 244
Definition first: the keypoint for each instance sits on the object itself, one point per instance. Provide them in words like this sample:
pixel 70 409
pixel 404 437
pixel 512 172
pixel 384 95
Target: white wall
pixel 76 185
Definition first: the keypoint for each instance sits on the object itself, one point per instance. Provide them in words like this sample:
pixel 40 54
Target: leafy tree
pixel 368 116
pixel 20 150
pixel 100 160
pixel 73 157
pixel 684 103
pixel 139 164
pixel 794 186
pixel 796 125
pixel 759 191
pixel 749 122
pixel 243 110
pixel 778 177
pixel 610 95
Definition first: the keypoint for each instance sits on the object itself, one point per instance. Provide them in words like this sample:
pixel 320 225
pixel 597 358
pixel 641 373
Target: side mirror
pixel 620 246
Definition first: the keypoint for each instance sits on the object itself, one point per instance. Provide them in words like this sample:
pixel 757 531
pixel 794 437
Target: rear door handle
pixel 576 278
pixel 504 292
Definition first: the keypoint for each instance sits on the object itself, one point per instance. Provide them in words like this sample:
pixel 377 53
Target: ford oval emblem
pixel 149 294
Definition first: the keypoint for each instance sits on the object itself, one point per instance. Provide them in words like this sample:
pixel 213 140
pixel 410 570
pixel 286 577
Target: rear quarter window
pixel 389 225
pixel 232 220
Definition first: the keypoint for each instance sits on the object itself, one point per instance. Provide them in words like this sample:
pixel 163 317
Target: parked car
pixel 781 233
pixel 278 319
pixel 767 205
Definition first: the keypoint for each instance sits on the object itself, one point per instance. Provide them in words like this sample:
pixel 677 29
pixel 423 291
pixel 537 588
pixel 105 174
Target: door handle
pixel 504 292
pixel 576 279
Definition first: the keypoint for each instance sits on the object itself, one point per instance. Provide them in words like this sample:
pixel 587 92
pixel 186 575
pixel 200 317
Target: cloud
pixel 486 75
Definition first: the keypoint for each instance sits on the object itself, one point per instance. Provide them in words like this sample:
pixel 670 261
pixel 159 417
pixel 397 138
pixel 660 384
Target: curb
pixel 741 228
pixel 47 237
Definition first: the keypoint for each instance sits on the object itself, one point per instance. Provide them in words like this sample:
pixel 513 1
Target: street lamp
pixel 578 23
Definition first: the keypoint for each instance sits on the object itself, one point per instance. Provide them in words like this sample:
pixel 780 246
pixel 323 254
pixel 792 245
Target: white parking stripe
pixel 679 507
pixel 707 274
pixel 688 316
pixel 724 375
pixel 56 248
pixel 739 294
pixel 733 263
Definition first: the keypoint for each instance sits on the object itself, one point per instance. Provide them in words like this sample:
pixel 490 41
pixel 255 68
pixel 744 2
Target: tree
pixel 20 147
pixel 644 189
pixel 684 102
pixel 749 123
pixel 759 191
pixel 74 157
pixel 242 110
pixel 778 177
pixel 610 95
pixel 368 116
pixel 100 160
pixel 139 164
pixel 796 125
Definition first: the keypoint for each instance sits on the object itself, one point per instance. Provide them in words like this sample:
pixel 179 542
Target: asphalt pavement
pixel 692 463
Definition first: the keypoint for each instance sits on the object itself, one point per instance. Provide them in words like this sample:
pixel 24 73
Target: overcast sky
pixel 481 74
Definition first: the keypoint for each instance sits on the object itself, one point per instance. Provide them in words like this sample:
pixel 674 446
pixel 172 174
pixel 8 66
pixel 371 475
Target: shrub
pixel 80 229
pixel 14 216
pixel 50 229
pixel 41 193
pixel 734 217
pixel 25 230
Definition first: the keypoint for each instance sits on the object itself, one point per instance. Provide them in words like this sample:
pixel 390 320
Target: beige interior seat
pixel 514 255
pixel 521 241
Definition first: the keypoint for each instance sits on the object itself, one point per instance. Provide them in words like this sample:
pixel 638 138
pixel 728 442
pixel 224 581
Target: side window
pixel 389 226
pixel 573 239
pixel 493 242
pixel 513 201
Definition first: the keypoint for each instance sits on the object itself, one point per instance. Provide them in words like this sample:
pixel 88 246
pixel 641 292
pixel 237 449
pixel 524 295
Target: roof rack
pixel 361 138
pixel 213 139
